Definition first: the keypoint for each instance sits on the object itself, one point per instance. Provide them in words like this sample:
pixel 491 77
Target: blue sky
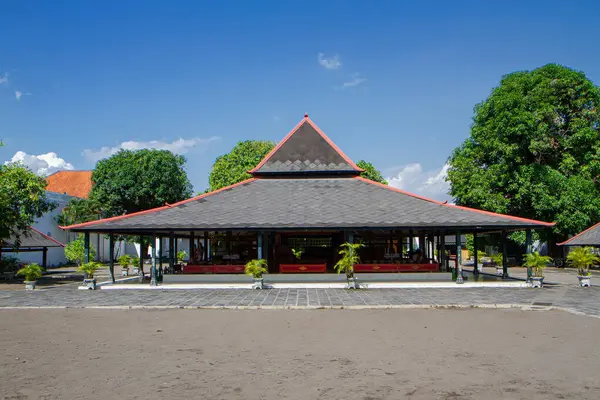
pixel 391 83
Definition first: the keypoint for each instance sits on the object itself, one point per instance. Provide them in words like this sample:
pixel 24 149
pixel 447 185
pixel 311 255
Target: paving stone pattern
pixel 585 300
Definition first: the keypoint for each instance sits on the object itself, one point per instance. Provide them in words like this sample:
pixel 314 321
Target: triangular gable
pixel 306 149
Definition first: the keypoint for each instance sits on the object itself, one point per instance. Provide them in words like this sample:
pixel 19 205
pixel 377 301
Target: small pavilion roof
pixel 32 238
pixel 589 237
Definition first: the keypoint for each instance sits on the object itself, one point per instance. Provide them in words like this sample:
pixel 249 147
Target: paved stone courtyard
pixel 583 300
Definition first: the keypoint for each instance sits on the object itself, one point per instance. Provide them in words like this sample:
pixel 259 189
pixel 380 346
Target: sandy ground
pixel 325 354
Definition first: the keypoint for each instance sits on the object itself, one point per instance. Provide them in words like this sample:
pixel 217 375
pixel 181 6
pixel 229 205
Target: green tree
pixel 22 199
pixel 534 150
pixel 132 181
pixel 371 172
pixel 75 251
pixel 78 211
pixel 232 167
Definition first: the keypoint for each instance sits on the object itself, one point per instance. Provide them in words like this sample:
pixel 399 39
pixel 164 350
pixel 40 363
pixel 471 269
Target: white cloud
pixel 413 179
pixel 329 62
pixel 355 80
pixel 19 94
pixel 179 146
pixel 42 164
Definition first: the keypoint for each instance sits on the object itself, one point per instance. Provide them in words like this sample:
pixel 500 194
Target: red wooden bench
pixel 396 268
pixel 302 268
pixel 213 269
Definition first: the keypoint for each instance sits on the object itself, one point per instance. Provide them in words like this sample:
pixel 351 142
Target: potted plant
pixel 498 259
pixel 537 263
pixel 89 269
pixel 583 258
pixel 256 269
pixel 349 253
pixel 135 262
pixel 32 272
pixel 297 253
pixel 9 267
pixel 124 262
pixel 181 255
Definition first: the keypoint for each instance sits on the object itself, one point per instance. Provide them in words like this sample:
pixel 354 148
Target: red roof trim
pixel 119 217
pixel 454 206
pixel 320 132
pixel 47 237
pixel 579 234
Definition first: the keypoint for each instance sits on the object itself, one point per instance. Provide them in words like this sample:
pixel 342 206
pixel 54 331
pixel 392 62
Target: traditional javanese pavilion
pixel 305 199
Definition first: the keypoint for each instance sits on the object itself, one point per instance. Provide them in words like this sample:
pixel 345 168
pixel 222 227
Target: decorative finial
pixel 305 115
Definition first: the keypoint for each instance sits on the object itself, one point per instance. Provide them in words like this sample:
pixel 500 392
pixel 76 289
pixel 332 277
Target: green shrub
pixel 124 261
pixel 135 261
pixel 75 251
pixel 582 258
pixel 31 272
pixel 537 263
pixel 181 254
pixel 89 269
pixel 349 253
pixel 9 264
pixel 256 268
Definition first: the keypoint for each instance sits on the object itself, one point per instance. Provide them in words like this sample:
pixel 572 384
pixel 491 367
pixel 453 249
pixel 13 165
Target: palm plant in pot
pixel 32 272
pixel 583 258
pixel 135 262
pixel 256 269
pixel 537 263
pixel 124 262
pixel 498 259
pixel 297 253
pixel 350 257
pixel 89 269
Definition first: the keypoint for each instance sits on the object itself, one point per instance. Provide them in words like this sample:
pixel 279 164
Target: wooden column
pixel 86 247
pixel 410 244
pixel 153 269
pixel 44 257
pixel 111 256
pixel 191 251
pixel 160 257
pixel 475 254
pixel 443 251
pixel 172 255
pixel 457 267
pixel 504 256
pixel 205 246
pixel 259 244
pixel 141 273
pixel 528 248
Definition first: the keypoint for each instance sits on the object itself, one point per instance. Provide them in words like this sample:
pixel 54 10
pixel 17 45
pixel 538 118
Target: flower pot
pixel 499 271
pixel 125 272
pixel 536 281
pixel 352 283
pixel 90 283
pixel 585 280
pixel 480 267
pixel 30 285
pixel 258 283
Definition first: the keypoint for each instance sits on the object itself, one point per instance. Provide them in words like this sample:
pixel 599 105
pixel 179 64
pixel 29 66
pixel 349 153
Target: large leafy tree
pixel 131 181
pixel 22 199
pixel 370 172
pixel 534 150
pixel 232 167
pixel 78 211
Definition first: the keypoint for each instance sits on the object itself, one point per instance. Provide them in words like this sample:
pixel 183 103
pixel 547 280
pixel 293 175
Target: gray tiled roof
pixel 306 150
pixel 589 237
pixel 32 238
pixel 307 203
